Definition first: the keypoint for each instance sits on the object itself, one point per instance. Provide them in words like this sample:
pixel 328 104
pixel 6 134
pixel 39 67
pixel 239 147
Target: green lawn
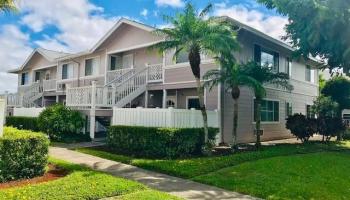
pixel 288 171
pixel 81 183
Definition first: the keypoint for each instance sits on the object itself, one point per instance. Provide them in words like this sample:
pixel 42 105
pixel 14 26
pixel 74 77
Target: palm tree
pixel 232 76
pixel 7 5
pixel 264 75
pixel 196 33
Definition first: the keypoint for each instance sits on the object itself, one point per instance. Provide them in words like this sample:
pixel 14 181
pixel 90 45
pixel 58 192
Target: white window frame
pixel 286 109
pixel 95 70
pixel 28 82
pixel 190 97
pixel 133 61
pixel 289 64
pixel 268 122
pixel 70 68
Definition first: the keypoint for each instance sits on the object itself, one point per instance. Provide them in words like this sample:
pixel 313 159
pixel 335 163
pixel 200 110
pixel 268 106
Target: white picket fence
pixel 155 117
pixel 27 112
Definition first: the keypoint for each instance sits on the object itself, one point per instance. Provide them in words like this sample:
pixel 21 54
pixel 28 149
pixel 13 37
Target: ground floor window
pixel 193 102
pixel 269 111
pixel 289 109
pixel 309 112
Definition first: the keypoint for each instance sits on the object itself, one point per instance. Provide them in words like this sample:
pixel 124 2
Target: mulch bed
pixel 53 173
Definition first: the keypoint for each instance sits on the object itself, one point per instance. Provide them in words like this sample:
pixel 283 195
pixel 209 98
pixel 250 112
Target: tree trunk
pixel 258 122
pixel 195 61
pixel 235 122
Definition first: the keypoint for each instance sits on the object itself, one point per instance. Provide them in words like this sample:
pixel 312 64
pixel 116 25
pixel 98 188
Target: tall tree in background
pixel 7 6
pixel 264 75
pixel 318 27
pixel 232 76
pixel 196 34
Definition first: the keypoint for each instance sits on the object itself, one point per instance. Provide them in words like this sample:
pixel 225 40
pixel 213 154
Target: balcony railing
pixel 115 74
pixel 49 85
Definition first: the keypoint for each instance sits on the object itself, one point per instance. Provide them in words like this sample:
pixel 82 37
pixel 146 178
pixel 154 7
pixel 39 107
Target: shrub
pixel 62 124
pixel 157 142
pixel 301 127
pixel 346 135
pixel 28 123
pixel 23 154
pixel 330 127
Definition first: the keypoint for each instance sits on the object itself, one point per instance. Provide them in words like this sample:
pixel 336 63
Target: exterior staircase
pixel 27 97
pixel 118 92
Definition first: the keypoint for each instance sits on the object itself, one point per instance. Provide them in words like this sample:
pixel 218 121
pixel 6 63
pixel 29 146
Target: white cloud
pixel 271 25
pixel 144 13
pixel 80 23
pixel 171 3
pixel 14 48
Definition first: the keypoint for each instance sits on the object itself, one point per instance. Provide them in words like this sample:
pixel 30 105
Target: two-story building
pixel 122 71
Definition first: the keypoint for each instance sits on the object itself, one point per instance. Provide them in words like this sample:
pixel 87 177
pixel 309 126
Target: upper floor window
pixel 25 78
pixel 269 111
pixel 266 58
pixel 67 71
pixel 309 74
pixel 289 66
pixel 182 57
pixel 116 62
pixel 91 66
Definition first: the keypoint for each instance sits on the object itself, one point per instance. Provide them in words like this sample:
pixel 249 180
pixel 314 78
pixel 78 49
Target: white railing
pixel 80 96
pixel 113 75
pixel 14 100
pixel 155 72
pixel 175 118
pixel 49 85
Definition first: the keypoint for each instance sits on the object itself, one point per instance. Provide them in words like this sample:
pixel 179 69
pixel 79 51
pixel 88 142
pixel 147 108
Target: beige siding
pixel 128 36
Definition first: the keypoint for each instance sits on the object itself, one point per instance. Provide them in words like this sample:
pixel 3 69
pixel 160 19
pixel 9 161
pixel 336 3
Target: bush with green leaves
pixel 23 154
pixel 330 127
pixel 301 127
pixel 27 123
pixel 62 124
pixel 158 142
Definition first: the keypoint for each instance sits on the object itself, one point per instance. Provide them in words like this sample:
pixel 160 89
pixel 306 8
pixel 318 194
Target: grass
pixel 287 171
pixel 309 176
pixel 189 168
pixel 81 183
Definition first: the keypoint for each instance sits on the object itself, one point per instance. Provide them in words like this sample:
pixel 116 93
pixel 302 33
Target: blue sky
pixel 75 25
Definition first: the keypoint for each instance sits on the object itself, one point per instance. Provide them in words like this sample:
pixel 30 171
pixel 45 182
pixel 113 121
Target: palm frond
pixel 206 10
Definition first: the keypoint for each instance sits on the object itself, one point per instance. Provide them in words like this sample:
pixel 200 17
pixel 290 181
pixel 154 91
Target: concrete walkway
pixel 175 186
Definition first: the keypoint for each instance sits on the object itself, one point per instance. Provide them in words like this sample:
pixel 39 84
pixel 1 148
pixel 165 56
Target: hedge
pixel 23 154
pixel 157 142
pixel 27 123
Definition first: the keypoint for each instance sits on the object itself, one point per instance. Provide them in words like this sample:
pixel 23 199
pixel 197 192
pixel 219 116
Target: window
pixel 67 71
pixel 37 76
pixel 309 74
pixel 128 61
pixel 116 62
pixel 25 79
pixel 269 111
pixel 266 58
pixel 289 109
pixel 309 112
pixel 193 102
pixel 289 66
pixel 182 57
pixel 91 67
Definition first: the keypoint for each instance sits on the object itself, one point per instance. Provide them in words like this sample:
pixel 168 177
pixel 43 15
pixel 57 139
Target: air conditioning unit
pixel 62 86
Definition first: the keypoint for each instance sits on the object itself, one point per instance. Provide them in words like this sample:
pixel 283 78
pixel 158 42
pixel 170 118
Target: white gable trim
pixel 116 26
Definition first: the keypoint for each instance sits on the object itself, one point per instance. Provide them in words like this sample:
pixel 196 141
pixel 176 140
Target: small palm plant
pixel 232 76
pixel 197 34
pixel 264 75
pixel 7 5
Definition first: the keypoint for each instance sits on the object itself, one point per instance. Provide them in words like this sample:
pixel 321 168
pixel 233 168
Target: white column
pixel 2 115
pixel 146 99
pixel 93 110
pixel 57 98
pixel 164 98
pixel 219 113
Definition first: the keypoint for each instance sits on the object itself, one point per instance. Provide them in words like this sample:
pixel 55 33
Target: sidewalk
pixel 176 186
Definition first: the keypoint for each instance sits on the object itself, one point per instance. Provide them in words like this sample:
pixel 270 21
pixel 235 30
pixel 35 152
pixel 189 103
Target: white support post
pixel 146 99
pixel 164 98
pixel 193 118
pixel 2 115
pixel 93 110
pixel 220 140
pixel 57 98
pixel 114 90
